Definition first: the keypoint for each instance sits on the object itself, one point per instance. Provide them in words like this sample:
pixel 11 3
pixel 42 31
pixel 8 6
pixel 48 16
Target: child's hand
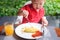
pixel 44 21
pixel 26 13
pixel 23 13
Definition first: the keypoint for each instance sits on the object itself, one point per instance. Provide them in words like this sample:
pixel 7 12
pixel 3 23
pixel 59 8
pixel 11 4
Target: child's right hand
pixel 25 13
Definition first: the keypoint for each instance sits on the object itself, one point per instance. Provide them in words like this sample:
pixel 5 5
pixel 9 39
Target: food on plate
pixel 37 33
pixel 30 29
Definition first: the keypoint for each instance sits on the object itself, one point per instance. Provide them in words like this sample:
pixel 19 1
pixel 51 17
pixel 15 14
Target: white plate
pixel 19 32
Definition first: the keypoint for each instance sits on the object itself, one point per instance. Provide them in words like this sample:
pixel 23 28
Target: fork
pixel 43 28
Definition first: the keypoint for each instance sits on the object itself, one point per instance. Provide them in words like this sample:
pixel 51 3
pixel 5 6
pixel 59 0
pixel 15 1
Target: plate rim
pixel 24 37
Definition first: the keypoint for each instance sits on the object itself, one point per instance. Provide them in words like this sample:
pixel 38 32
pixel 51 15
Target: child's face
pixel 37 4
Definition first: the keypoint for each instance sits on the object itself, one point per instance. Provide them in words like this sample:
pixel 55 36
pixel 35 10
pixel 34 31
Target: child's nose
pixel 37 6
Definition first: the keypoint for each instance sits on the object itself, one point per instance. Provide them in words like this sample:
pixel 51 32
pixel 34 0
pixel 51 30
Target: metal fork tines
pixel 42 28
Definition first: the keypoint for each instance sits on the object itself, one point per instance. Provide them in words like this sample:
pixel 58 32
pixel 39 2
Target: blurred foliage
pixel 52 7
pixel 11 7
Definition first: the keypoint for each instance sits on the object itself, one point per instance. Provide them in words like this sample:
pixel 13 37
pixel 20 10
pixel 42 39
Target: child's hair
pixel 37 0
pixel 43 1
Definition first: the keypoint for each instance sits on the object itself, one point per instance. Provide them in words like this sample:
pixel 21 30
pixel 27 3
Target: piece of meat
pixel 38 33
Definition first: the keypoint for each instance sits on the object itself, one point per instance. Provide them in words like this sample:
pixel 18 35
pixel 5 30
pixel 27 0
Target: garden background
pixel 11 7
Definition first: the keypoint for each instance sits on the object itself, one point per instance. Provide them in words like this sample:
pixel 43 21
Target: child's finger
pixel 26 13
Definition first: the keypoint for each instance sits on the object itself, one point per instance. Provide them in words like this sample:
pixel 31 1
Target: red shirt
pixel 33 16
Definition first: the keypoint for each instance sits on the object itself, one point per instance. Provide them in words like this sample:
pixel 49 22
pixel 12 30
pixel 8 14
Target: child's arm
pixel 24 13
pixel 20 16
pixel 44 21
pixel 18 20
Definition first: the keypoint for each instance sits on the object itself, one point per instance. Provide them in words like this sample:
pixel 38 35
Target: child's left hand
pixel 44 21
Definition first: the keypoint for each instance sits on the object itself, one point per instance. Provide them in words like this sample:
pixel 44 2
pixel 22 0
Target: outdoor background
pixel 11 7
